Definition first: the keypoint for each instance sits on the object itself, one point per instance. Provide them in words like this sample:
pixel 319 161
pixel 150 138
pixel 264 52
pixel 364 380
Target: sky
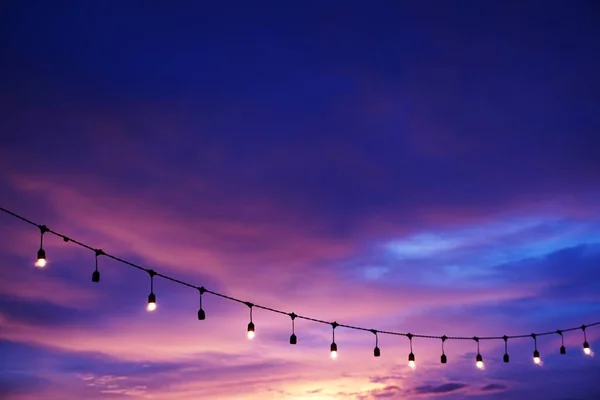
pixel 428 167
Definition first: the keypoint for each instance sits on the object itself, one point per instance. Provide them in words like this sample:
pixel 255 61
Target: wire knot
pixel 99 252
pixel 202 290
pixel 249 304
pixel 152 273
pixel 334 325
pixel 293 316
pixel 43 228
pixel 444 338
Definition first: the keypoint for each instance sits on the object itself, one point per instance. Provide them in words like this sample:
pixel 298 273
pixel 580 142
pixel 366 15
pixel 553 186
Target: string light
pixel 293 338
pixel 536 354
pixel 444 359
pixel 41 254
pixel 251 333
pixel 478 359
pixel 411 356
pixel 586 347
pixel 96 273
pixel 333 350
pixel 201 313
pixel 151 297
pixel 376 351
pixel 41 262
pixel 563 349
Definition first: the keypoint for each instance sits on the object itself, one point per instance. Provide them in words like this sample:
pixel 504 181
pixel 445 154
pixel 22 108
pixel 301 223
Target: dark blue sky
pixel 426 166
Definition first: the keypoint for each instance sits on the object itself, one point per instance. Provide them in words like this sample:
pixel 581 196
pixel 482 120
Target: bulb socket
pixel 151 298
pixel 96 276
pixel 333 347
pixel 251 327
pixel 506 358
pixel 293 339
pixel 411 357
pixel 201 315
pixel 563 350
pixel 444 359
pixel 41 254
pixel 376 352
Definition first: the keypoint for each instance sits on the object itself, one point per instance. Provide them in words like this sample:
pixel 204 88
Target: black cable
pixel 195 287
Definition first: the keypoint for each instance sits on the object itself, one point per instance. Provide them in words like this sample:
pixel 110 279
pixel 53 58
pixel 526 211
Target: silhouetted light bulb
pixel 586 349
pixel 444 359
pixel 41 259
pixel 506 357
pixel 201 315
pixel 536 357
pixel 151 302
pixel 376 352
pixel 96 276
pixel 411 361
pixel 563 350
pixel 251 333
pixel 293 339
pixel 333 349
pixel 479 361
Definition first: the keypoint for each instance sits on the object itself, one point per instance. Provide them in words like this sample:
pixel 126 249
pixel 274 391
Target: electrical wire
pixel 202 289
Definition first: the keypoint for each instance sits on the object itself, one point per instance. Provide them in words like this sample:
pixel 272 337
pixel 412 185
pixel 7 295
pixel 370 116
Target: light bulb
pixel 586 349
pixel 151 302
pixel 536 357
pixel 41 259
pixel 411 361
pixel 251 333
pixel 333 349
pixel 479 362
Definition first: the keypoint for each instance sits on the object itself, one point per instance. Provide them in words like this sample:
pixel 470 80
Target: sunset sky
pixel 429 167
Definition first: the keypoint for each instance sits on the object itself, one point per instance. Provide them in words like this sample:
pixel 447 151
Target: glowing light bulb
pixel 411 361
pixel 536 357
pixel 251 333
pixel 333 349
pixel 41 259
pixel 586 349
pixel 479 362
pixel 151 302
